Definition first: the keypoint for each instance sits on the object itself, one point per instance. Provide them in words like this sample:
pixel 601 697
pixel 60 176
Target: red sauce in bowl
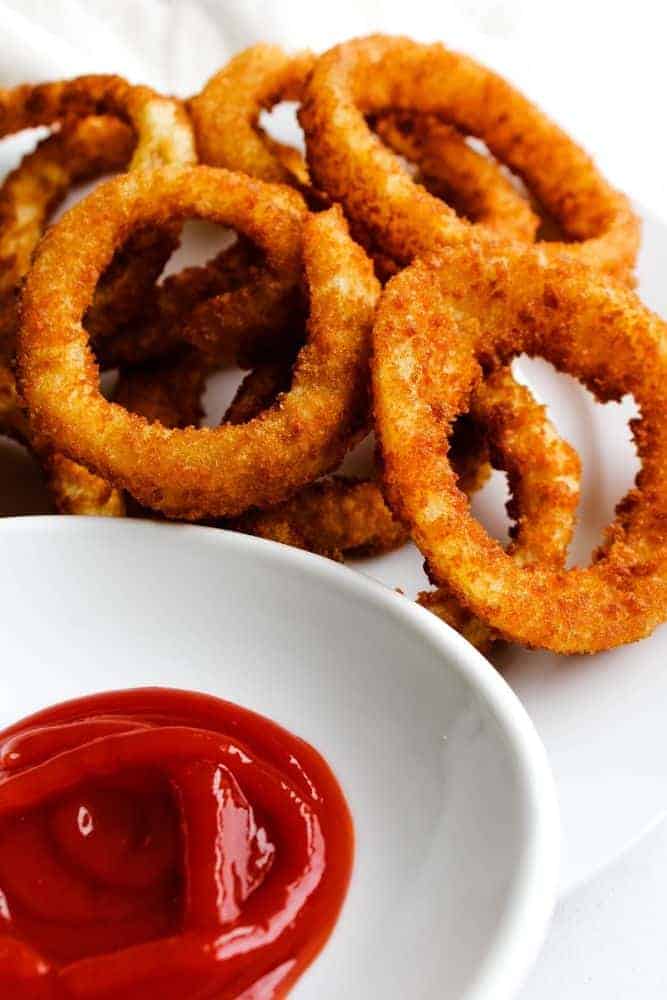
pixel 164 843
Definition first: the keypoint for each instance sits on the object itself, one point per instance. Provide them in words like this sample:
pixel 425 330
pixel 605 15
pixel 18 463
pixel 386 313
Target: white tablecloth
pixel 599 68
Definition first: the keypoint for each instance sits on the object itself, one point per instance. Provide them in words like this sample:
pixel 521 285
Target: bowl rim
pixel 533 895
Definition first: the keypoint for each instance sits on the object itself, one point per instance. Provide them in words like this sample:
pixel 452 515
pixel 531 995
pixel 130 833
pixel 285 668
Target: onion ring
pixel 335 517
pixel 163 136
pixel 226 113
pixel 168 391
pixel 206 472
pixel 474 308
pixel 381 75
pixel 163 131
pixel 226 121
pixel 543 472
pixel 372 75
pixel 30 193
pixel 82 149
pixel 457 174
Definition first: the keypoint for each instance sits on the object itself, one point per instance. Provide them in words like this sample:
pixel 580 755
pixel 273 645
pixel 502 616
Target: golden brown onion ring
pixel 335 517
pixel 162 135
pixel 168 390
pixel 84 148
pixel 226 121
pixel 161 125
pixel 459 175
pixel 29 194
pixel 191 472
pixel 440 321
pixel 543 474
pixel 369 76
pixel 226 113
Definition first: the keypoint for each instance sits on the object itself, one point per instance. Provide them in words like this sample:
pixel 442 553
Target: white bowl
pixel 454 807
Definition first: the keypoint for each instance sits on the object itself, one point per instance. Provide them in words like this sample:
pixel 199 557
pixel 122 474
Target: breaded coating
pixel 369 76
pixel 226 120
pixel 335 517
pixel 123 123
pixel 82 149
pixel 167 391
pixel 258 390
pixel 543 472
pixel 471 183
pixel 248 330
pixel 163 132
pixel 441 324
pixel 226 113
pixel 201 472
pixel 75 490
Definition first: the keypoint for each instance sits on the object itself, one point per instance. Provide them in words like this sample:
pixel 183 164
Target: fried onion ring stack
pixel 422 169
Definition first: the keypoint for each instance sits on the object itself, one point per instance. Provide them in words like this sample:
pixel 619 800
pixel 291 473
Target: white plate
pixel 454 806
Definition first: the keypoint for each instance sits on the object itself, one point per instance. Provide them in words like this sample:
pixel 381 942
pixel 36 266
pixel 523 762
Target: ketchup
pixel 161 843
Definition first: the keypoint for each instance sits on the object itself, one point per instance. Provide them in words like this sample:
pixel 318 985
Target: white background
pixel 600 68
